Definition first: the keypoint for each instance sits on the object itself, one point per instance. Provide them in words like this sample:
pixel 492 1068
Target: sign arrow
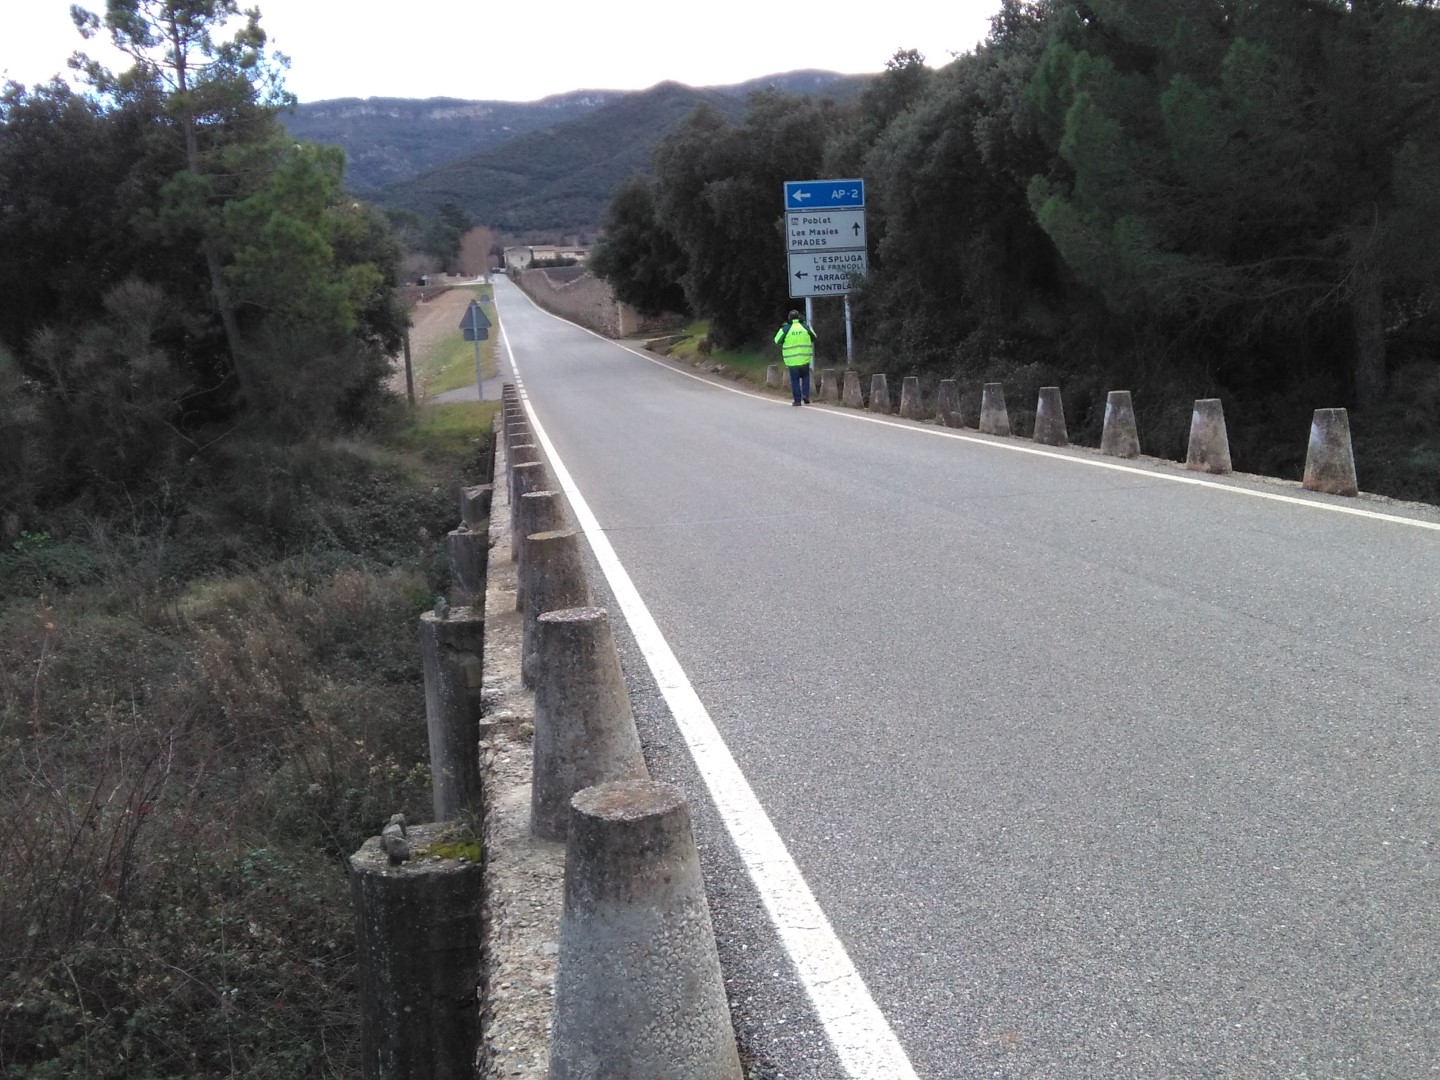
pixel 856 227
pixel 800 196
pixel 801 273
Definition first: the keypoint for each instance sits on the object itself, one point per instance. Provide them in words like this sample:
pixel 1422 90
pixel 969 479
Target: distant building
pixel 521 258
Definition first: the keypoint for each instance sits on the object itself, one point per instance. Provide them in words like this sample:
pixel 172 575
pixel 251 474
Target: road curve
pixel 1093 773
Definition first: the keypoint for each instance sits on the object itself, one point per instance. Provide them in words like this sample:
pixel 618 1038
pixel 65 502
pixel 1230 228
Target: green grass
pixel 751 365
pixel 453 364
pixel 450 429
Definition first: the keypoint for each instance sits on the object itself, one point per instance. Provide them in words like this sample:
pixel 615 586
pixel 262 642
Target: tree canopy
pixel 172 261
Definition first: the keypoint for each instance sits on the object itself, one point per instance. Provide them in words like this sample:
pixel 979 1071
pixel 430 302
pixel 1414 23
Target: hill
pixel 562 177
pixel 544 164
pixel 393 139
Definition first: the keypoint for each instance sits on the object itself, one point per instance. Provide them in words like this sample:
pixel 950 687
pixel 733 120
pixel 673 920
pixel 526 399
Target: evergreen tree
pixel 638 257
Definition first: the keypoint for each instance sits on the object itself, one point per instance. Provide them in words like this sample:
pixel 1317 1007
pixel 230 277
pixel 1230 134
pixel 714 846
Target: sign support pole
pixel 849 334
pixel 479 379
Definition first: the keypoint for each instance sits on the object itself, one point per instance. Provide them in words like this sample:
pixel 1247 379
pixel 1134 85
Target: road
pixel 1094 772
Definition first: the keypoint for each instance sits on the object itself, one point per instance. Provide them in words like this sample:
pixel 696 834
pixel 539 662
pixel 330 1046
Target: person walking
pixel 797 349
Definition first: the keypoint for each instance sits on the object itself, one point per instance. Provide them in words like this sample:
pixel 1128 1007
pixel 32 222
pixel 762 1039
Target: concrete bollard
pixel 584 729
pixel 947 403
pixel 535 511
pixel 638 988
pixel 469 553
pixel 879 394
pixel 911 407
pixel 772 375
pixel 451 645
pixel 1120 437
pixel 1209 449
pixel 852 396
pixel 830 387
pixel 1050 418
pixel 1330 460
pixel 475 504
pixel 525 477
pixel 554 578
pixel 523 454
pixel 417 932
pixel 994 417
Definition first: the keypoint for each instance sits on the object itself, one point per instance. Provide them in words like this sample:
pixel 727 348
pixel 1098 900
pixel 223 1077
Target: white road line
pixel 858 1030
pixel 1020 448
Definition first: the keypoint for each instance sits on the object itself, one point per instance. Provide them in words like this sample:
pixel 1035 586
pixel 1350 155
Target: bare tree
pixel 475 247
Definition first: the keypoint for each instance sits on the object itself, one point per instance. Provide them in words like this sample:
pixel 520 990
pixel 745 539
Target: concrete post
pixel 1209 449
pixel 525 477
pixel 417 931
pixel 994 417
pixel 947 403
pixel 451 647
pixel 853 397
pixel 1330 460
pixel 554 573
pixel 584 729
pixel 879 394
pixel 469 552
pixel 475 504
pixel 772 375
pixel 1050 418
pixel 830 392
pixel 911 407
pixel 1120 438
pixel 536 511
pixel 638 989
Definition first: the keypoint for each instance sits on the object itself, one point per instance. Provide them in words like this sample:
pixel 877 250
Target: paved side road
pixel 1094 773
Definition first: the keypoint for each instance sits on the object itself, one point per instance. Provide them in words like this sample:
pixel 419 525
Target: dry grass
pixel 187 757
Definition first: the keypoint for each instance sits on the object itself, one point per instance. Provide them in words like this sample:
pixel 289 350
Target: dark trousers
pixel 799 382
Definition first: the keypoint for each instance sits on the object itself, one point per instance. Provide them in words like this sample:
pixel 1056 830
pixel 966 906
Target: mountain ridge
pixel 547 164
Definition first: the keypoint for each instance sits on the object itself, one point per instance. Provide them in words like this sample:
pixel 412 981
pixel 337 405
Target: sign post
pixel 476 328
pixel 825 242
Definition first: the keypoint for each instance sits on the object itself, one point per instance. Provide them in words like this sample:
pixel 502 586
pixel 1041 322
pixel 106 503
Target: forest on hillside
pixel 1185 198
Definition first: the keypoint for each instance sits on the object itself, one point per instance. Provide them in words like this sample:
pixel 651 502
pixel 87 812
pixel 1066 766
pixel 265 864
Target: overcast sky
pixel 520 50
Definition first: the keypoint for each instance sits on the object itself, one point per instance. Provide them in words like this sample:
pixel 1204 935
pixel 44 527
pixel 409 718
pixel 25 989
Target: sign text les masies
pixel 829 230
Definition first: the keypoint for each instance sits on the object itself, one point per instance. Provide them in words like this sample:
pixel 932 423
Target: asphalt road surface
pixel 1094 773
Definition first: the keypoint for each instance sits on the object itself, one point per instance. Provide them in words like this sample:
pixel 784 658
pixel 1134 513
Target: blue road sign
pixel 824 194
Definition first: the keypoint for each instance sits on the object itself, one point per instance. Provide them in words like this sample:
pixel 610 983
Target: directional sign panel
pixel 824 194
pixel 828 273
pixel 826 230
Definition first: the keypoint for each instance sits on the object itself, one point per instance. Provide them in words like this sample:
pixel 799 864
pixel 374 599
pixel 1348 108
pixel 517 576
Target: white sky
pixel 520 50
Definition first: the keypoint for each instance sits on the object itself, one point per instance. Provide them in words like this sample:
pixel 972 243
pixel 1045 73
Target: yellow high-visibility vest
pixel 797 344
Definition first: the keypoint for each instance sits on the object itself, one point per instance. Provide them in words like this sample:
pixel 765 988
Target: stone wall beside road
pixel 575 294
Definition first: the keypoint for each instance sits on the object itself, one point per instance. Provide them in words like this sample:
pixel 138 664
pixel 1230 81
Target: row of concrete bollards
pixel 416 890
pixel 1329 461
pixel 638 989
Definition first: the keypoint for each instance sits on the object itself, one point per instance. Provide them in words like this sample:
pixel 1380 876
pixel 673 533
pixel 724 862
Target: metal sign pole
pixel 849 335
pixel 479 378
